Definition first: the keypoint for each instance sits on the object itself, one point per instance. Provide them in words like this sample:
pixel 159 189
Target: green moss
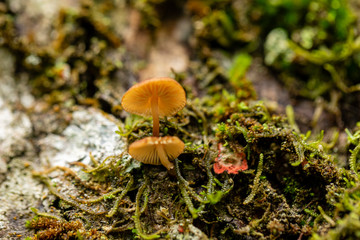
pixel 294 185
pixel 49 228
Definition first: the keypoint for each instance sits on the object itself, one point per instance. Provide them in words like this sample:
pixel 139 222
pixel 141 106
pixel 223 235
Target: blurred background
pixel 301 53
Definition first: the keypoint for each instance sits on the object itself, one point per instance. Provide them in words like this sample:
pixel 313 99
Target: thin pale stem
pixel 155 115
pixel 163 158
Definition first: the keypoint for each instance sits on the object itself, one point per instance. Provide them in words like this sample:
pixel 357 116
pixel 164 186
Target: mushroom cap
pixel 171 97
pixel 144 150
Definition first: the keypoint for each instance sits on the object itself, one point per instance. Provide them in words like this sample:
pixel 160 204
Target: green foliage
pixel 354 140
pixel 319 32
pixel 330 19
pixel 222 128
pixel 292 187
pixel 240 65
pixel 214 197
pixel 210 196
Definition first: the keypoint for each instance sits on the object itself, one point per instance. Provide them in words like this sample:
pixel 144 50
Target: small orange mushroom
pixel 157 97
pixel 157 150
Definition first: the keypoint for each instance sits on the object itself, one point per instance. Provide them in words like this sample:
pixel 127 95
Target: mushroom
pixel 157 150
pixel 157 97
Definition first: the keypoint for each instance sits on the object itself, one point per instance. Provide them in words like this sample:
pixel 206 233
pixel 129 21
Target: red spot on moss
pixel 230 162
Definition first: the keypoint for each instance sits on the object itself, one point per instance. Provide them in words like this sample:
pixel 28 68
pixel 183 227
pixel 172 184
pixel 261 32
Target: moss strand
pixel 256 181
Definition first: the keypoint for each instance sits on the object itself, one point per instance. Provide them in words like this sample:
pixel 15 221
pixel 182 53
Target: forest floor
pixel 272 91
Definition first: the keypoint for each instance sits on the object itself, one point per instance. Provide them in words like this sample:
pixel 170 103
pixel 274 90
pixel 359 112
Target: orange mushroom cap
pixel 154 150
pixel 171 97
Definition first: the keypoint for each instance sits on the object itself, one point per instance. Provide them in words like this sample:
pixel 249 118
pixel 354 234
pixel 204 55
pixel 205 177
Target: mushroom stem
pixel 163 158
pixel 155 115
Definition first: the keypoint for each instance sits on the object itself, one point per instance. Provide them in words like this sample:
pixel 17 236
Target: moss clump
pixel 49 228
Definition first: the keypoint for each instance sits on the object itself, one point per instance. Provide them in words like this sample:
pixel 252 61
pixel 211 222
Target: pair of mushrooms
pixel 156 97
